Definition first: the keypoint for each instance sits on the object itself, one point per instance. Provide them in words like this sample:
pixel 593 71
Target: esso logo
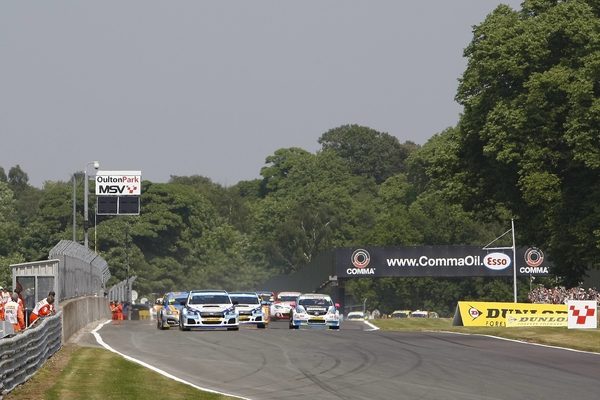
pixel 496 261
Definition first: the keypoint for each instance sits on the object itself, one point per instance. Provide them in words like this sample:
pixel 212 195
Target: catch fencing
pixel 22 355
pixel 81 271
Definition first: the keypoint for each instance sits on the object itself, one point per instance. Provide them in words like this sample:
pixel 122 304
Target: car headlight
pixel 257 311
pixel 300 310
pixel 229 310
pixel 169 312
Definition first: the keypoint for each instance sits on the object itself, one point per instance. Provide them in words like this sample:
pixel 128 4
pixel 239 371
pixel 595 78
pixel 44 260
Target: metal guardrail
pixel 22 355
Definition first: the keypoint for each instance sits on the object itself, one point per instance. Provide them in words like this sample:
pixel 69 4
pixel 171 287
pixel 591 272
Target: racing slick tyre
pixel 181 327
pixel 261 326
pixel 234 328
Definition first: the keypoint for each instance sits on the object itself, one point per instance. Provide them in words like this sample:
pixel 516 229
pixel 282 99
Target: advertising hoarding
pixel 437 261
pixel 481 313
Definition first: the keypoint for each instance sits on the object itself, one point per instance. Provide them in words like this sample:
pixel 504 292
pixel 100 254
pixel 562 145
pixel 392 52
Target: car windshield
pixel 177 301
pixel 244 299
pixel 317 302
pixel 288 298
pixel 209 299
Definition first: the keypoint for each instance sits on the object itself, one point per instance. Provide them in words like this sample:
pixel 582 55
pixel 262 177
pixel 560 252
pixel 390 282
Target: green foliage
pixel 528 138
pixel 367 152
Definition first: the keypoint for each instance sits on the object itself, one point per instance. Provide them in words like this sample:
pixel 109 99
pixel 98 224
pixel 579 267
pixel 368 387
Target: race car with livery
pixel 249 308
pixel 208 309
pixel 315 310
pixel 282 306
pixel 168 314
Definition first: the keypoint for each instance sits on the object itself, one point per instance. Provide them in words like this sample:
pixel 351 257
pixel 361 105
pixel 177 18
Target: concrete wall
pixel 79 312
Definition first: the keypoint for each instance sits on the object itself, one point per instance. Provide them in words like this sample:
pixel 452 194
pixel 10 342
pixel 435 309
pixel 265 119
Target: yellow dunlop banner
pixel 480 313
pixel 517 320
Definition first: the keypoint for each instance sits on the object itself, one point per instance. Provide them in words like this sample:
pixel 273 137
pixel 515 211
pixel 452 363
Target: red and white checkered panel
pixel 583 314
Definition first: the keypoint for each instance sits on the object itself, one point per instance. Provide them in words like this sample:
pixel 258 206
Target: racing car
pixel 208 309
pixel 249 308
pixel 282 306
pixel 315 310
pixel 168 314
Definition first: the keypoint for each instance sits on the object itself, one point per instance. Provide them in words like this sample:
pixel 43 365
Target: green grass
pixel 91 373
pixel 580 339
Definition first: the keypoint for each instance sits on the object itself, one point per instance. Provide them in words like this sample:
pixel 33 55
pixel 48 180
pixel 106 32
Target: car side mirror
pixel 235 303
pixel 182 303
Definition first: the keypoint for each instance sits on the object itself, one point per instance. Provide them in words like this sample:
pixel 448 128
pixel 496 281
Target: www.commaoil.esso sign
pixel 440 261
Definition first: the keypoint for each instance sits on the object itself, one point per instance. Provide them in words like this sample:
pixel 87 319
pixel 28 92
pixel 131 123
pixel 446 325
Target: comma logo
pixel 534 257
pixel 361 258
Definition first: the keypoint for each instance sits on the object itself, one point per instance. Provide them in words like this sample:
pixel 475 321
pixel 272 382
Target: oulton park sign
pixel 438 261
pixel 118 183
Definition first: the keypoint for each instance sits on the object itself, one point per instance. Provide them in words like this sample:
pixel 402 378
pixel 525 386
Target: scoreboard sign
pixel 118 183
pixel 118 192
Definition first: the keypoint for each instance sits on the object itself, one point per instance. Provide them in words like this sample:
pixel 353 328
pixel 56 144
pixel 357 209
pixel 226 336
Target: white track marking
pixel 153 368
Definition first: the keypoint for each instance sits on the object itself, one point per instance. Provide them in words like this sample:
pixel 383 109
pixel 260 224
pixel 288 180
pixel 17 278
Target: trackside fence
pixel 22 355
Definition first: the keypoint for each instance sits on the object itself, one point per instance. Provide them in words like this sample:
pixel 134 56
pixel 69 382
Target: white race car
pixel 208 309
pixel 315 310
pixel 249 308
pixel 282 306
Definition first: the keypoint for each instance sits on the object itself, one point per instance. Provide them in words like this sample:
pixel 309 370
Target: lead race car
pixel 208 309
pixel 315 310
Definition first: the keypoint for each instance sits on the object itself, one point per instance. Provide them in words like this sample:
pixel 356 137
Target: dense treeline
pixel 526 147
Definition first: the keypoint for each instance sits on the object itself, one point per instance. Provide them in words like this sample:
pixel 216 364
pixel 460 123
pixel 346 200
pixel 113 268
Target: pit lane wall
pixel 79 312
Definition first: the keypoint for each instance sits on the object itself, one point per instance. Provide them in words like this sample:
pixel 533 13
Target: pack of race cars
pixel 210 309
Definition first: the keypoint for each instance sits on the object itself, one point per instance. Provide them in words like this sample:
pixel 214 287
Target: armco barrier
pixel 22 355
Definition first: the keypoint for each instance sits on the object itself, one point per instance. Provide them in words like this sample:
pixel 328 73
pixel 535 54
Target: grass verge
pixel 579 339
pixel 91 373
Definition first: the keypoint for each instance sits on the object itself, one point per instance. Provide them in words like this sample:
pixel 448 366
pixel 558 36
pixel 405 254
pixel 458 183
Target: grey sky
pixel 212 88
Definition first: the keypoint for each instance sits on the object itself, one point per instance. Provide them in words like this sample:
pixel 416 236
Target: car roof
pixel 315 296
pixel 289 293
pixel 176 294
pixel 356 313
pixel 209 292
pixel 250 294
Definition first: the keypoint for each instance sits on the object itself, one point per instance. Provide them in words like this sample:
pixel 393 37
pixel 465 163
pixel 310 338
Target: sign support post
pixel 514 250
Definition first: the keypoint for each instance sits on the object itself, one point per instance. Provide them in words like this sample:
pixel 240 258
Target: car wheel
pixel 181 327
pixel 261 326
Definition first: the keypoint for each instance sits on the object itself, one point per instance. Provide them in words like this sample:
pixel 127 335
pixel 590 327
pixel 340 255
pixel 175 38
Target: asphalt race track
pixel 353 363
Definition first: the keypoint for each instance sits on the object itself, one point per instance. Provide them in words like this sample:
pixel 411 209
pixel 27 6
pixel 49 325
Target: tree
pixel 368 152
pixel 17 178
pixel 528 138
pixel 3 177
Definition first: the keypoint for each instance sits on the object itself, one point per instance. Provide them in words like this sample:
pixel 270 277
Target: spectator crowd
pixel 560 294
pixel 12 309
